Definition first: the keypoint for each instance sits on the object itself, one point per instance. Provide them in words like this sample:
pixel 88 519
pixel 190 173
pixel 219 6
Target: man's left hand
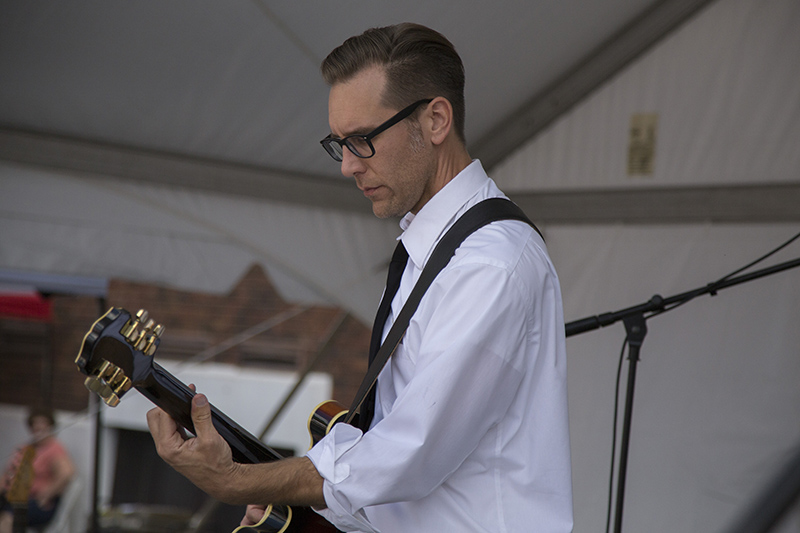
pixel 205 459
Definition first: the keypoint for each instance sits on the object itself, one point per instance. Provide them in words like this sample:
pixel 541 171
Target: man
pixel 470 423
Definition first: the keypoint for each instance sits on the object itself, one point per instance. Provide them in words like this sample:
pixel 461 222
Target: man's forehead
pixel 356 103
pixel 369 79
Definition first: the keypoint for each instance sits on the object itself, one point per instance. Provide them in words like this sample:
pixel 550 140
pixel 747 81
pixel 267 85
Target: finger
pixel 193 387
pixel 159 422
pixel 201 416
pixel 163 429
pixel 253 515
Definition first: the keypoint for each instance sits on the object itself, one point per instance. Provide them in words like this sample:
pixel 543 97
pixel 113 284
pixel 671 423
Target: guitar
pixel 117 354
pixel 20 489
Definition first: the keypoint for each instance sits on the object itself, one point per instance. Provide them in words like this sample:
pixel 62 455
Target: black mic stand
pixel 636 328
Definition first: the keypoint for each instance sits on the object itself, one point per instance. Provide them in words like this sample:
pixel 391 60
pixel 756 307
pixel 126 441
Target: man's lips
pixel 371 191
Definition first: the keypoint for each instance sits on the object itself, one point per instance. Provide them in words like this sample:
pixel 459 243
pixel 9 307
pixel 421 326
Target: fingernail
pixel 200 400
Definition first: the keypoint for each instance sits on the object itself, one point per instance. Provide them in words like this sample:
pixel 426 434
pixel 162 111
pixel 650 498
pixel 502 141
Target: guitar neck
pixel 175 398
pixel 117 354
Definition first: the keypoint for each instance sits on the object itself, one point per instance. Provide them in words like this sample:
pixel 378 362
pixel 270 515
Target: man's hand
pixel 205 459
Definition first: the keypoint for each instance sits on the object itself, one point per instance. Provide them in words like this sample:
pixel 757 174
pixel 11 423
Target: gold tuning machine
pixel 142 332
pixel 110 383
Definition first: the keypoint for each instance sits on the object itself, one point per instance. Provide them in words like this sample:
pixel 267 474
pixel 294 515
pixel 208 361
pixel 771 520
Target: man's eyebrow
pixel 357 131
pixel 363 130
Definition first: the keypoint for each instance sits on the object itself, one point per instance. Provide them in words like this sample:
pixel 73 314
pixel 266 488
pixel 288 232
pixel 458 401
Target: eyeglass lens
pixel 360 145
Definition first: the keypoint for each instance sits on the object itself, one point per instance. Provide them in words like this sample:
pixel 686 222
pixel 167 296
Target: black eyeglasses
pixel 361 145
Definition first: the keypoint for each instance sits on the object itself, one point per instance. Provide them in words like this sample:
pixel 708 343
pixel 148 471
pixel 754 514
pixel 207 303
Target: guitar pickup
pixel 110 383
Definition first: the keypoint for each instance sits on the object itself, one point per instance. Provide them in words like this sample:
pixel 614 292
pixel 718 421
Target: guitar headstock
pixel 117 352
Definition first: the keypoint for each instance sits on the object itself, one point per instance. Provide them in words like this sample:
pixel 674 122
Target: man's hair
pixel 419 63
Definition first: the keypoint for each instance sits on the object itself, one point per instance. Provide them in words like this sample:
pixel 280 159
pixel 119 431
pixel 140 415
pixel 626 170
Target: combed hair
pixel 419 63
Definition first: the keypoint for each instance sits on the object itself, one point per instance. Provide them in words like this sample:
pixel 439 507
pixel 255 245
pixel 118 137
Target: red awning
pixel 30 306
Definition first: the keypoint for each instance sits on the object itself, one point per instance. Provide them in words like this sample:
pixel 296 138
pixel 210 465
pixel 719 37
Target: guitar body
pixel 117 355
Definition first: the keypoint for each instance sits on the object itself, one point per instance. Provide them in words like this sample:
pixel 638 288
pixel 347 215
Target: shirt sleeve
pixel 462 361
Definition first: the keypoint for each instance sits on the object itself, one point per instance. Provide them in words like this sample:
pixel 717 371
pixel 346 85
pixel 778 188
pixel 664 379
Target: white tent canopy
pixel 176 143
pixel 189 239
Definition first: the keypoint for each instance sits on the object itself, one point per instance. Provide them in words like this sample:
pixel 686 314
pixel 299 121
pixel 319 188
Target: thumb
pixel 201 416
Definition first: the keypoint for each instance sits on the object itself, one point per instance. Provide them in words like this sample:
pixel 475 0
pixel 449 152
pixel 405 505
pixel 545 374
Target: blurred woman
pixel 52 471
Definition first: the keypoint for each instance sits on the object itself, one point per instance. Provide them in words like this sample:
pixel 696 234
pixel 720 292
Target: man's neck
pixel 452 161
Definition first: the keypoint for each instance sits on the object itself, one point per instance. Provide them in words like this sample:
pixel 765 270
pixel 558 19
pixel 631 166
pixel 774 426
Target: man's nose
pixel 351 163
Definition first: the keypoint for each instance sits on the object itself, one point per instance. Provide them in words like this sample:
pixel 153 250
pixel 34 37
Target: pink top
pixel 48 454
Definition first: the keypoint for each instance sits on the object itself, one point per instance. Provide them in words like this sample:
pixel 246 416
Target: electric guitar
pixel 117 354
pixel 20 490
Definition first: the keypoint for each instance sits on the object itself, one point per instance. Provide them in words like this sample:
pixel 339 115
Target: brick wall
pixel 38 358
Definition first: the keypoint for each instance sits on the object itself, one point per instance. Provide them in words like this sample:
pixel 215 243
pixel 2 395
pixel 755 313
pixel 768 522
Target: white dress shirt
pixel 470 430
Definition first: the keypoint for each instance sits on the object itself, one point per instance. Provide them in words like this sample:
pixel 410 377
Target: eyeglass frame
pixel 367 138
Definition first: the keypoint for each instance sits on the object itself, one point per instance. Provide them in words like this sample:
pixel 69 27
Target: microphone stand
pixel 636 328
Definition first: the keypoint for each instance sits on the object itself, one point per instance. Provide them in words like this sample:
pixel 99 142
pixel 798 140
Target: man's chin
pixel 382 210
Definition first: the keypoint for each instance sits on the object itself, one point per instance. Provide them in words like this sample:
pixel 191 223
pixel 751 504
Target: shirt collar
pixel 423 230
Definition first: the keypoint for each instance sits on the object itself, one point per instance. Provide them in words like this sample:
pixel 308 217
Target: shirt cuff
pixel 326 456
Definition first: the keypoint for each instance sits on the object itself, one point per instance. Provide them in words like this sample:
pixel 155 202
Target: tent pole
pixel 94 404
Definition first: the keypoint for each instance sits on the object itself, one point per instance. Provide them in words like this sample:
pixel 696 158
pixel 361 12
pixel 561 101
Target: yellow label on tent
pixel 642 144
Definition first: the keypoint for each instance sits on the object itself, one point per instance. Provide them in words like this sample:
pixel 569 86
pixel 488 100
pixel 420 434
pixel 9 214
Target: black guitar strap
pixel 476 217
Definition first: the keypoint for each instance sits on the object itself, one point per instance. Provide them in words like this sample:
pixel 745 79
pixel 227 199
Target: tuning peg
pixel 142 341
pixel 110 383
pixel 102 389
pixel 138 342
pixel 148 340
pixel 129 329
pixel 150 346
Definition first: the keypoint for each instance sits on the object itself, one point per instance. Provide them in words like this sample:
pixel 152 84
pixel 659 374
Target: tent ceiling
pixel 227 96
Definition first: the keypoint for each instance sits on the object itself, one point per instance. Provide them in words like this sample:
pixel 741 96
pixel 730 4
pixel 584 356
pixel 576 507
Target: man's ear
pixel 441 114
